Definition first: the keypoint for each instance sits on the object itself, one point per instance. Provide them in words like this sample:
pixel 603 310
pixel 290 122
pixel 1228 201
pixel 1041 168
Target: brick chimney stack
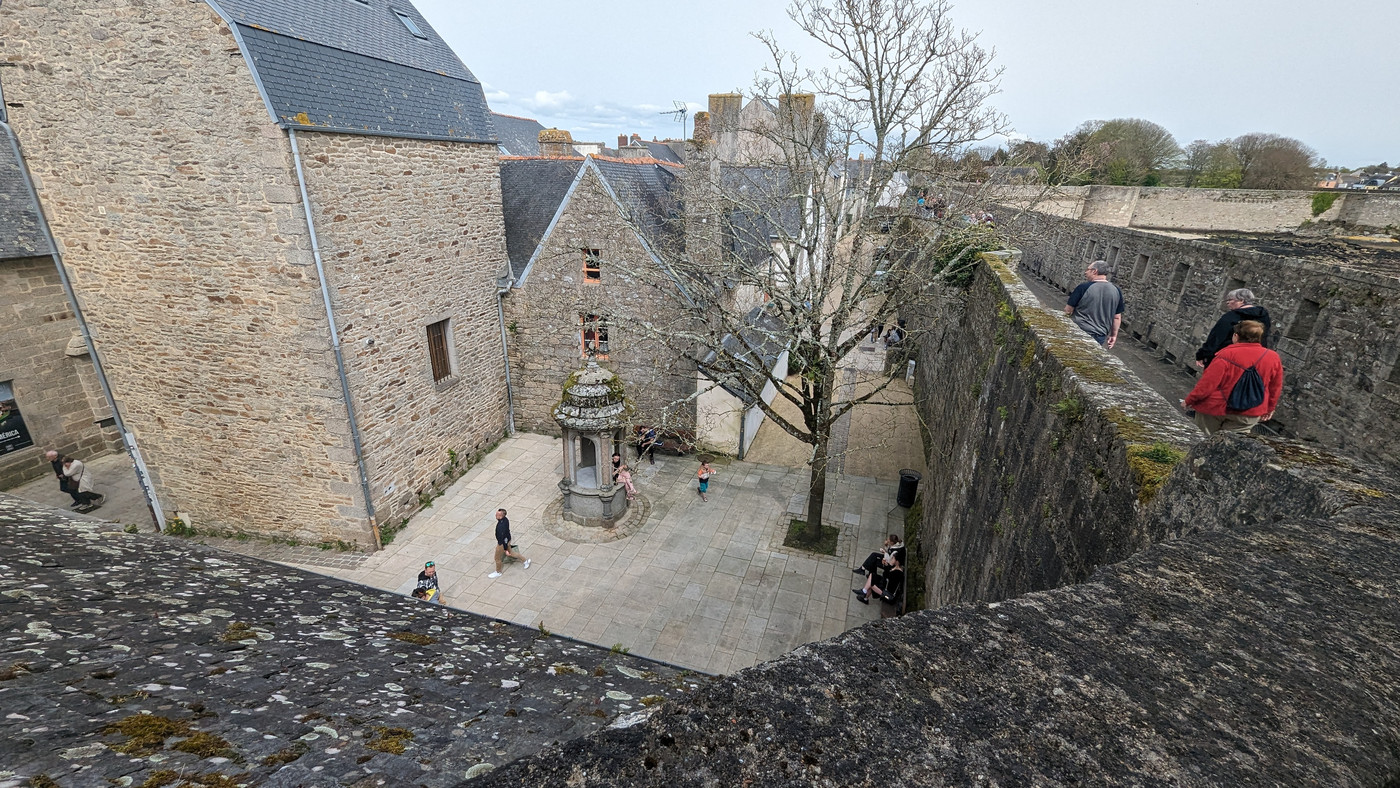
pixel 701 132
pixel 724 112
pixel 621 141
pixel 556 143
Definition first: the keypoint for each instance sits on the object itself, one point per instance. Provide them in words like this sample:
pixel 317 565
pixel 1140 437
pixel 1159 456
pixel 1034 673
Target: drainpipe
pixel 335 342
pixel 128 440
pixel 505 355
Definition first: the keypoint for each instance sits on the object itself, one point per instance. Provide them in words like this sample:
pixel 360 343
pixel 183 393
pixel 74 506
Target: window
pixel 409 23
pixel 592 266
pixel 14 435
pixel 1113 258
pixel 593 336
pixel 440 349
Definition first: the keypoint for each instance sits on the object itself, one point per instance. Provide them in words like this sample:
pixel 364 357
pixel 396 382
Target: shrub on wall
pixel 1321 201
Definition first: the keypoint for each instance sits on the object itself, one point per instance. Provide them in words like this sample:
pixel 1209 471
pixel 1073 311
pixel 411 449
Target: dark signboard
pixel 13 434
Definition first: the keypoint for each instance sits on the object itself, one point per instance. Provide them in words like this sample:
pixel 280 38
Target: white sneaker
pixel 494 574
pixel 527 563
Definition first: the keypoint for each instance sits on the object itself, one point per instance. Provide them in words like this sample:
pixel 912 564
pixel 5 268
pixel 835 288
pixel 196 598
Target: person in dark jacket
pixel 1211 394
pixel 1239 305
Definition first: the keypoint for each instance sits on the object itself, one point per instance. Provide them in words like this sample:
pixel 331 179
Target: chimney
pixel 799 107
pixel 701 133
pixel 556 143
pixel 724 112
pixel 637 151
pixel 636 139
pixel 621 141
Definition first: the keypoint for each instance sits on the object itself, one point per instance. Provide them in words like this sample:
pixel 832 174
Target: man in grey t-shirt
pixel 1097 305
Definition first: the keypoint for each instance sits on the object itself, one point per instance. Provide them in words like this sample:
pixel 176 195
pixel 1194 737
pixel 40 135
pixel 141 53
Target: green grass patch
pixel 825 543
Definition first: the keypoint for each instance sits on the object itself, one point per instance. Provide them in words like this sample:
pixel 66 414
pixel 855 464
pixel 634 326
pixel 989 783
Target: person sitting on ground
pixel 1239 305
pixel 888 587
pixel 1210 398
pixel 420 593
pixel 884 557
pixel 1096 305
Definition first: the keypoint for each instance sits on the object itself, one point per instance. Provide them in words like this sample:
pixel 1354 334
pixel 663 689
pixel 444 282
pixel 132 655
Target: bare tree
pixel 847 206
pixel 1272 161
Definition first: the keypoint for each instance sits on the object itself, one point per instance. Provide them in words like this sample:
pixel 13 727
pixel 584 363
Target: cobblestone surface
pixel 128 657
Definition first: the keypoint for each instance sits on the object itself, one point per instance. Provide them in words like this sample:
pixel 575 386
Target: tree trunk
pixel 816 493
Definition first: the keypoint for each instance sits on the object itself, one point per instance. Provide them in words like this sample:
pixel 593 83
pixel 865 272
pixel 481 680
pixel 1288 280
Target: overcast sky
pixel 1327 73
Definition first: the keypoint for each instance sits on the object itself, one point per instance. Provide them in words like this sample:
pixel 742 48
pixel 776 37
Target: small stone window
pixel 1140 267
pixel 411 24
pixel 440 349
pixel 592 266
pixel 1178 283
pixel 593 336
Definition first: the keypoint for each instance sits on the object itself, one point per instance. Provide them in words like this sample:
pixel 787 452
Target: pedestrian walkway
pixel 706 586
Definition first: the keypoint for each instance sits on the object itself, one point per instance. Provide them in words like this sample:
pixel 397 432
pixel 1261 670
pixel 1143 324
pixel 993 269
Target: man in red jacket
pixel 1212 391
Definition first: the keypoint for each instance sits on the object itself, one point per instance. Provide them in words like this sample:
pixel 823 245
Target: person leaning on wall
pixel 1210 398
pixel 1239 305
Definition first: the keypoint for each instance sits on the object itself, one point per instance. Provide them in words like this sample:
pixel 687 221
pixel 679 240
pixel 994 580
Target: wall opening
pixel 1113 259
pixel 1231 284
pixel 1140 267
pixel 1178 281
pixel 1304 320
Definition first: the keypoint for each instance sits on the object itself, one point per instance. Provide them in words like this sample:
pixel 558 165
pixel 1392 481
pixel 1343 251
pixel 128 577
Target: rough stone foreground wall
pixel 544 319
pixel 174 200
pixel 411 234
pixel 1029 484
pixel 1202 210
pixel 1338 328
pixel 1259 650
pixel 37 324
pixel 291 677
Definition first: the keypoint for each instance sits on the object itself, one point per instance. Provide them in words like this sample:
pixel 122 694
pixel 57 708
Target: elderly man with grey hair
pixel 1096 305
pixel 1239 305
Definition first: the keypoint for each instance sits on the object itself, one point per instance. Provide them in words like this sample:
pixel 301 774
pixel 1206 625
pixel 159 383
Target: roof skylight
pixel 410 24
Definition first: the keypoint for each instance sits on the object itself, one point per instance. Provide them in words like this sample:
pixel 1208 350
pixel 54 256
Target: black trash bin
pixel 908 487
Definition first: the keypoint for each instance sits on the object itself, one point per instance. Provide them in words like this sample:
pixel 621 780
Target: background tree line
pixel 1137 152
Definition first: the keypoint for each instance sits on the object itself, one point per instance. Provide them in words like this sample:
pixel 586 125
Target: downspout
pixel 128 440
pixel 335 341
pixel 505 355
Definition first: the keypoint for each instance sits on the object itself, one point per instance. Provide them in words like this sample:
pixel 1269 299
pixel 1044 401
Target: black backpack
pixel 1248 391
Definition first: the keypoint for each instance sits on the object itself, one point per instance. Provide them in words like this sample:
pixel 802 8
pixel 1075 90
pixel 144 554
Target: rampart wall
pixel 1337 327
pixel 1241 627
pixel 1201 210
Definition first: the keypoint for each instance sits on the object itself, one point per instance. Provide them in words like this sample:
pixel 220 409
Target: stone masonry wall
pixel 174 202
pixel 411 233
pixel 1200 210
pixel 543 318
pixel 1030 484
pixel 37 324
pixel 1337 328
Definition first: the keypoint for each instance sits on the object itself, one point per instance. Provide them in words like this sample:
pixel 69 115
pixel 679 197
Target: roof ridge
pixel 542 158
pixel 517 117
pixel 640 160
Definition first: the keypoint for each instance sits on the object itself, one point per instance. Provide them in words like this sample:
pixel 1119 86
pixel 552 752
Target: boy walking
pixel 503 547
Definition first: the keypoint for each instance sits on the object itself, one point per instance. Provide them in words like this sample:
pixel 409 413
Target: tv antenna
pixel 679 113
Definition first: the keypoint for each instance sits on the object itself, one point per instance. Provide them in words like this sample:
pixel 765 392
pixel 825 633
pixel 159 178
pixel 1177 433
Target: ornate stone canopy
pixel 591 415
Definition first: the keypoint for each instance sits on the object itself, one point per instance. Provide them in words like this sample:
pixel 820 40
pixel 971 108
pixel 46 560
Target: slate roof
pixel 518 136
pixel 353 67
pixel 109 632
pixel 531 191
pixel 20 232
pixel 663 152
pixel 759 349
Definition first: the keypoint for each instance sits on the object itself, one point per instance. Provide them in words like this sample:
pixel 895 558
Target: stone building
pixel 587 237
pixel 283 226
pixel 49 395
